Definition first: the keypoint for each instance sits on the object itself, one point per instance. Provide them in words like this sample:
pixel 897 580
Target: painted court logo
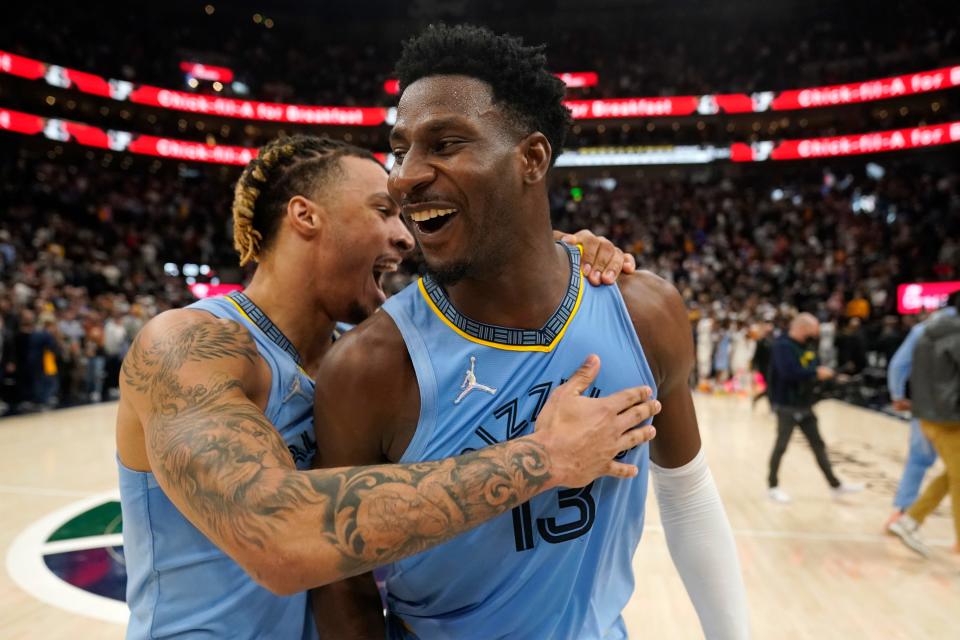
pixel 73 559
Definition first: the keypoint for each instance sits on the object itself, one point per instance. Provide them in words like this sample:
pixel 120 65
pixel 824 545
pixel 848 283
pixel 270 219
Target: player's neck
pixel 523 292
pixel 309 328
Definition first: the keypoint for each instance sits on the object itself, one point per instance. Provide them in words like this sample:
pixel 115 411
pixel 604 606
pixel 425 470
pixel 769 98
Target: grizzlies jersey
pixel 558 566
pixel 178 582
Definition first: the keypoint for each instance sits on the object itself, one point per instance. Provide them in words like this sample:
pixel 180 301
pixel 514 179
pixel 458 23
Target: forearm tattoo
pixel 230 469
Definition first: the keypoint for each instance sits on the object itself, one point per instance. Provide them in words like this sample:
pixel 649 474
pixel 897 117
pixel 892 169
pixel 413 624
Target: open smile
pixel 380 267
pixel 430 221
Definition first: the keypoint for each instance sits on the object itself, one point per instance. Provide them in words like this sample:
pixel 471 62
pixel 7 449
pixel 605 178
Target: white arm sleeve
pixel 702 547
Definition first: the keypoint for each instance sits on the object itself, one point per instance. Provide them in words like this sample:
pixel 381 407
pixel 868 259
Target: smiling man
pixel 225 527
pixel 463 359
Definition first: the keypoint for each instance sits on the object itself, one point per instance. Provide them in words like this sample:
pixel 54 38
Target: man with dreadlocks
pixel 225 526
pixel 479 123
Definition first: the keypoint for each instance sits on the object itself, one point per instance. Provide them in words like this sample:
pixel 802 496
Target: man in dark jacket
pixel 794 370
pixel 935 390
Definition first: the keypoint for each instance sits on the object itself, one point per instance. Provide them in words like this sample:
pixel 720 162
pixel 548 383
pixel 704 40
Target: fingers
pixel 636 414
pixel 636 437
pixel 614 267
pixel 569 238
pixel 629 440
pixel 629 263
pixel 602 263
pixel 591 245
pixel 621 470
pixel 582 378
pixel 623 400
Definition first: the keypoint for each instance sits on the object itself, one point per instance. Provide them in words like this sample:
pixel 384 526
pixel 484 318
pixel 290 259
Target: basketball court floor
pixel 817 568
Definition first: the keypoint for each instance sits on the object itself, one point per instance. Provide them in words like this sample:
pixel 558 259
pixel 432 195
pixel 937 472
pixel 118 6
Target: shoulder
pixel 662 323
pixel 650 297
pixel 367 393
pixel 370 350
pixel 205 335
pixel 370 361
pixel 191 342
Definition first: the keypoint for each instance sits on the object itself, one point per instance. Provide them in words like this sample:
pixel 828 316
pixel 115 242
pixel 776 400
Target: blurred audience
pixel 88 254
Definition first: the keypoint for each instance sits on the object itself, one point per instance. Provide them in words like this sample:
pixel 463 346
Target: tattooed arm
pixel 188 380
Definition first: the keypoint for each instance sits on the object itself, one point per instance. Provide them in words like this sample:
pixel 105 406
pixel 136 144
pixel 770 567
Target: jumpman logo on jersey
pixel 470 383
pixel 296 389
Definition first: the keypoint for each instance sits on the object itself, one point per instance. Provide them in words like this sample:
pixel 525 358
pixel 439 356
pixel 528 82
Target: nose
pixel 410 176
pixel 400 236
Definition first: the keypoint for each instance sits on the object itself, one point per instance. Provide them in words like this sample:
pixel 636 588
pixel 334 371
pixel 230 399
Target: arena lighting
pixel 614 156
pixel 69 131
pixel 917 297
pixel 573 79
pixel 202 290
pixel 207 72
pixel 827 96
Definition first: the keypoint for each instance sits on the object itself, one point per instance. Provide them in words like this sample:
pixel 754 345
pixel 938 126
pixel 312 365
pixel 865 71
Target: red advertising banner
pixel 253 110
pixel 68 131
pixel 20 122
pixel 917 297
pixel 207 72
pixel 911 83
pixel 579 79
pixel 22 67
pixel 650 107
pixel 832 147
pixel 632 107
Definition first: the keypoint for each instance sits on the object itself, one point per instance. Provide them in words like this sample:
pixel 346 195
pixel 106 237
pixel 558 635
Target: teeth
pixel 423 216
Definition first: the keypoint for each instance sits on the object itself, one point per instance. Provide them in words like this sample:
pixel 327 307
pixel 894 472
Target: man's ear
pixel 306 217
pixel 535 153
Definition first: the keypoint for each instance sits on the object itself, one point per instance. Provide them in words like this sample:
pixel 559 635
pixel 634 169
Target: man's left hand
pixel 602 261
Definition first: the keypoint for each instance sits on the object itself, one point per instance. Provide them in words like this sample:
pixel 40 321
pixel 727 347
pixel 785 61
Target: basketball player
pixel 225 527
pixel 463 359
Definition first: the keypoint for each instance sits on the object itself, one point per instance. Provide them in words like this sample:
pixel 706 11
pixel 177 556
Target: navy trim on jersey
pixel 265 324
pixel 505 335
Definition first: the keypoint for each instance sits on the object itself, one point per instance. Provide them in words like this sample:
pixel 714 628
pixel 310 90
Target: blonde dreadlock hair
pixel 284 168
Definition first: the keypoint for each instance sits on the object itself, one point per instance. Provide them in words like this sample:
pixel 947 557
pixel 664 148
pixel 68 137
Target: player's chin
pixel 361 309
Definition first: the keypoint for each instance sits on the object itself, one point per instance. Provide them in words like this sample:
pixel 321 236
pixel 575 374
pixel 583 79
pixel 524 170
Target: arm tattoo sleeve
pixel 228 468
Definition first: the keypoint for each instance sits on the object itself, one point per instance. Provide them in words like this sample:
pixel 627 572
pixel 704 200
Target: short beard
pixel 448 275
pixel 356 313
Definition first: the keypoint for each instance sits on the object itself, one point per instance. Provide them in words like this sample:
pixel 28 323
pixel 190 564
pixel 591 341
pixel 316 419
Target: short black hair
pixel 530 95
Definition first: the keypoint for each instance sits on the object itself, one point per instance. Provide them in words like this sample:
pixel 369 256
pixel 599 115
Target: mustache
pixel 421 198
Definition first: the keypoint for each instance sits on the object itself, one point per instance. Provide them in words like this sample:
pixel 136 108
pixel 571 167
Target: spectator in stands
pixel 115 342
pixel 852 348
pixel 43 353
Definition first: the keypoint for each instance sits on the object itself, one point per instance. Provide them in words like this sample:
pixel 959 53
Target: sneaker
pixel 896 515
pixel 905 528
pixel 848 487
pixel 778 495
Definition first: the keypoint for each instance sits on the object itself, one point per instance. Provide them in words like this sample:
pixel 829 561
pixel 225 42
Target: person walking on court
pixel 935 386
pixel 794 369
pixel 921 454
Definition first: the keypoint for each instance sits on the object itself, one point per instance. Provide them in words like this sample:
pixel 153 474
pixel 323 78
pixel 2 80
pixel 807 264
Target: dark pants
pixel 787 419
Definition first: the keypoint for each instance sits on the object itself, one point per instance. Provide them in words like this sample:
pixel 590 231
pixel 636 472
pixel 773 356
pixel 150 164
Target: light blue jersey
pixel 560 565
pixel 179 584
